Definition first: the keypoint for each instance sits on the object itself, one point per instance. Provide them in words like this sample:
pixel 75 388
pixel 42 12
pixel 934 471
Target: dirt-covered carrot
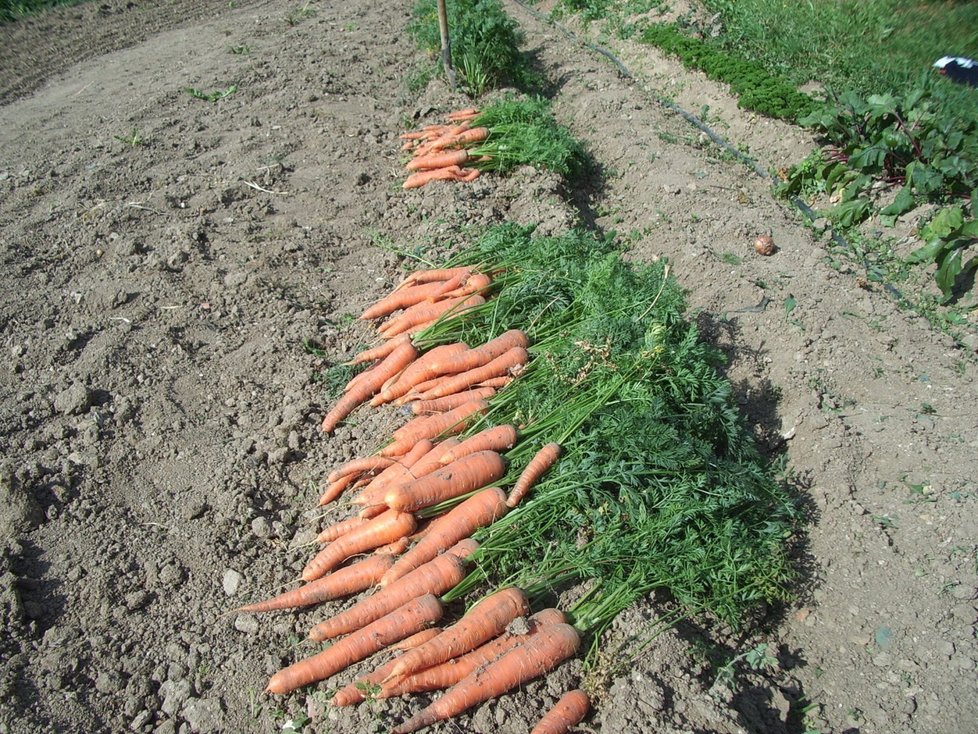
pixel 478 511
pixel 399 623
pixel 441 676
pixel 486 620
pixel 542 652
pixel 427 311
pixel 404 354
pixel 418 371
pixel 434 577
pixel 469 473
pixel 342 582
pixel 451 173
pixel 568 712
pixel 501 365
pixel 431 426
pixel 337 529
pixel 381 530
pixel 441 405
pixel 545 458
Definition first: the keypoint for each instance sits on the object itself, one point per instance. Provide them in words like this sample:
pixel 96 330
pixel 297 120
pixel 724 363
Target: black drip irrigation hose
pixel 717 139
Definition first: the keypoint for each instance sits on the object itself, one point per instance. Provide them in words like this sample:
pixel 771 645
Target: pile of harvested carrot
pixel 439 151
pixel 410 561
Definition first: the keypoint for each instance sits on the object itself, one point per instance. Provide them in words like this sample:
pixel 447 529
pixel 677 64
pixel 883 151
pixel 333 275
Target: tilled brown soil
pixel 159 410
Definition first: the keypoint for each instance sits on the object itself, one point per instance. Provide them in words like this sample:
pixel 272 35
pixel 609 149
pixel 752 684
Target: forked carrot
pixel 542 652
pixel 568 712
pixel 399 623
pixel 443 675
pixel 478 511
pixel 435 577
pixel 381 530
pixel 545 458
pixel 486 620
pixel 440 405
pixel 343 582
pixel 469 473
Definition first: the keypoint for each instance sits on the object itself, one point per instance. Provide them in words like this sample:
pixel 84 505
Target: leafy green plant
pixel 485 44
pixel 948 236
pixel 211 96
pixel 133 139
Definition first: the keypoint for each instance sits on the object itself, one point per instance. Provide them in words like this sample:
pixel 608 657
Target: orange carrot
pixel 421 178
pixel 566 713
pixel 460 477
pixel 476 283
pixel 374 353
pixel 338 529
pixel 354 692
pixel 479 356
pixel 435 577
pixel 343 582
pixel 396 547
pixel 396 625
pixel 404 354
pixel 427 311
pixel 542 652
pixel 381 530
pixel 418 371
pixel 401 299
pixel 429 276
pixel 361 465
pixel 450 422
pixel 484 621
pixel 336 488
pixel 447 286
pixel 440 405
pixel 479 510
pixel 438 160
pixel 463 114
pixel 500 366
pixel 497 438
pixel 451 672
pixel 497 383
pixel 374 492
pixel 545 458
pixel 430 461
pixel 472 135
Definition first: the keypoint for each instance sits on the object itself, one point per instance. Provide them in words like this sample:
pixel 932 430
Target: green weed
pixel 211 96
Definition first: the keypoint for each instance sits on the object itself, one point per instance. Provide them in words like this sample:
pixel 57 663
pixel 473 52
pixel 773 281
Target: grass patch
pixel 11 10
pixel 485 44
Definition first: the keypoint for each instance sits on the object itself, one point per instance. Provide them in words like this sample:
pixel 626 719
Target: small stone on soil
pixel 231 582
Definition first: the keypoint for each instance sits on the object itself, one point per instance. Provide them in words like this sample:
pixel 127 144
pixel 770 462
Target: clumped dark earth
pixel 167 260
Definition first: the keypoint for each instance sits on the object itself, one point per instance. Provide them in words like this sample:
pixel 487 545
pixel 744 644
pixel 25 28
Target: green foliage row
pixel 754 86
pixel 485 44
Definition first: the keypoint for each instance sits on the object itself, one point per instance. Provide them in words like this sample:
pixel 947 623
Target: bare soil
pixel 160 443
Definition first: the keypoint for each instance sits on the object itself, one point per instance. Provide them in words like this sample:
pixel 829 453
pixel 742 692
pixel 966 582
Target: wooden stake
pixel 446 45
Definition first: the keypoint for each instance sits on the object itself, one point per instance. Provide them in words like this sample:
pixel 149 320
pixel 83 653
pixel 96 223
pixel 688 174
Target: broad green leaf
pixel 902 203
pixel 948 272
pixel 946 221
pixel 928 253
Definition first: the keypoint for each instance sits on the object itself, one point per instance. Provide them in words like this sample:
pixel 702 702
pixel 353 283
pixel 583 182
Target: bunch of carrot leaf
pixel 590 396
